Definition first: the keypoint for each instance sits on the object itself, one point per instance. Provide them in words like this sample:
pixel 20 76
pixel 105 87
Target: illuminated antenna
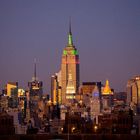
pixel 70 41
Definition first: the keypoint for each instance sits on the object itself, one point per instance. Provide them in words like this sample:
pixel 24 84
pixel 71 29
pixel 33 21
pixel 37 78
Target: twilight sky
pixel 105 32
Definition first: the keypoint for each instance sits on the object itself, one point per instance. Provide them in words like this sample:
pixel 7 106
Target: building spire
pixel 35 69
pixel 70 42
pixel 70 26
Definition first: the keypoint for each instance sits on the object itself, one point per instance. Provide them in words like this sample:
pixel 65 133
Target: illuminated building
pixel 10 86
pixel 69 64
pixel 89 90
pixel 133 93
pixel 56 97
pixel 70 90
pixel 89 87
pixel 95 104
pixel 28 117
pixel 21 99
pixel 106 89
pixel 107 97
pixel 21 105
pixel 21 92
pixel 35 86
pixel 12 93
pixel 35 91
pixel 91 97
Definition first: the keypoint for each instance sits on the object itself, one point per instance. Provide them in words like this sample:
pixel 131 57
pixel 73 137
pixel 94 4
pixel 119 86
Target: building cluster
pixel 90 107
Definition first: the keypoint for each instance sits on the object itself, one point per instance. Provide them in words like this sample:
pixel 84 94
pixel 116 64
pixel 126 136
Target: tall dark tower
pixel 35 91
pixel 69 67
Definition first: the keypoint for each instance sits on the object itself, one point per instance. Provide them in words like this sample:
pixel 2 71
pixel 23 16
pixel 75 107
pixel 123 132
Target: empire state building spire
pixel 70 41
pixel 34 76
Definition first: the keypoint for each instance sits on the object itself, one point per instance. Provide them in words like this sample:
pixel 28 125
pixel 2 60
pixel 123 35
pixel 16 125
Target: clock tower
pixel 69 66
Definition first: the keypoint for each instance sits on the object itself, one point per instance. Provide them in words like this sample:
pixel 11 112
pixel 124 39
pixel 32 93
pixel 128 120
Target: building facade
pixel 107 97
pixel 35 91
pixel 133 93
pixel 12 94
pixel 56 97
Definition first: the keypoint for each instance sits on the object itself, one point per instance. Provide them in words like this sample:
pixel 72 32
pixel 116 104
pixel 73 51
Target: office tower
pixel 11 86
pixel 69 65
pixel 89 87
pixel 13 100
pixel 21 105
pixel 133 93
pixel 91 97
pixel 35 91
pixel 28 117
pixel 56 97
pixel 12 93
pixel 107 97
pixel 95 102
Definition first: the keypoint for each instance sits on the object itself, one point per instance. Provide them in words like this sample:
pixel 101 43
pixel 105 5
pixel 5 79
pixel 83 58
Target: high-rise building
pixel 21 105
pixel 35 86
pixel 12 93
pixel 10 86
pixel 89 87
pixel 107 97
pixel 35 91
pixel 91 97
pixel 133 93
pixel 56 97
pixel 69 65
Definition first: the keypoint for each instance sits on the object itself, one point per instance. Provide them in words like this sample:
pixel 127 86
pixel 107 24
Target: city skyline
pixel 106 35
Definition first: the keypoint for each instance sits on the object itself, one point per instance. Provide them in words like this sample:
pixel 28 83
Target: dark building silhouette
pixel 6 124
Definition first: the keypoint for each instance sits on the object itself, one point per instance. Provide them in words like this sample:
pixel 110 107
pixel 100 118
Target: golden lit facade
pixel 10 86
pixel 133 92
pixel 70 90
pixel 55 89
pixel 69 65
pixel 89 87
pixel 107 97
pixel 21 98
pixel 21 92
pixel 106 90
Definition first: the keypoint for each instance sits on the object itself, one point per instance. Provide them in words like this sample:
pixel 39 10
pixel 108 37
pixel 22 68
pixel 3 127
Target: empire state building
pixel 69 67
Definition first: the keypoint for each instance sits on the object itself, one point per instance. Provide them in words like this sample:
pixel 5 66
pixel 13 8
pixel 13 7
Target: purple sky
pixel 105 32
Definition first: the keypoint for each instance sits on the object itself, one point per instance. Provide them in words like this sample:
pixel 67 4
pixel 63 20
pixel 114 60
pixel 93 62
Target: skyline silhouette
pixel 106 34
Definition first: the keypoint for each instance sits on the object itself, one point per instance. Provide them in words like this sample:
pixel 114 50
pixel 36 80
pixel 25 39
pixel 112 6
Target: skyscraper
pixel 133 93
pixel 11 86
pixel 35 91
pixel 55 89
pixel 107 97
pixel 12 93
pixel 35 86
pixel 69 66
